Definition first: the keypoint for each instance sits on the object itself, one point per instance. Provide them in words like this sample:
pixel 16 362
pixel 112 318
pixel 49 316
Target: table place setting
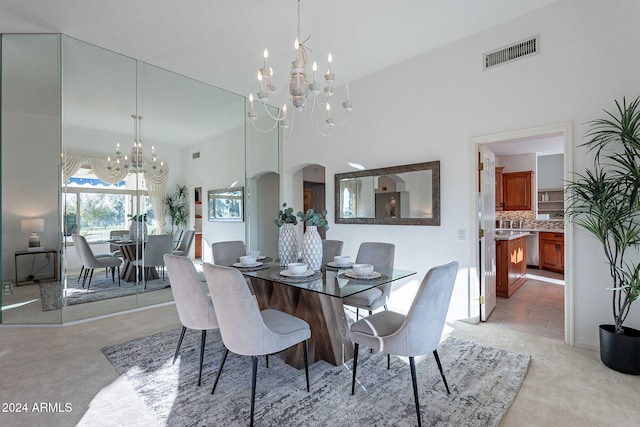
pixel 297 272
pixel 250 263
pixel 339 262
pixel 360 272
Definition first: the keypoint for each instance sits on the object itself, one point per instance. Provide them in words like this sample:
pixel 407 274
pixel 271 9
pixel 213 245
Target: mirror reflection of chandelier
pixel 305 94
pixel 134 162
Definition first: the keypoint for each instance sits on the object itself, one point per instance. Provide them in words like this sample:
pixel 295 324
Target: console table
pixel 45 252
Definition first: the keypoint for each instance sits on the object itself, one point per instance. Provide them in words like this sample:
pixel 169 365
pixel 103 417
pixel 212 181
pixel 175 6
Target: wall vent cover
pixel 513 52
pixel 196 155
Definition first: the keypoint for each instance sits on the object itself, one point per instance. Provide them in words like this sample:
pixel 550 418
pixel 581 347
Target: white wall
pixel 427 108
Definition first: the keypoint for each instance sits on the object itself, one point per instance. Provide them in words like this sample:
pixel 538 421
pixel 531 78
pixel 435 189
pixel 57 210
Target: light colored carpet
pixel 483 381
pixel 101 288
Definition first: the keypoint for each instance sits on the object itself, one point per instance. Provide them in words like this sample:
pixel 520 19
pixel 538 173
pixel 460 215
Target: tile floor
pixel 536 308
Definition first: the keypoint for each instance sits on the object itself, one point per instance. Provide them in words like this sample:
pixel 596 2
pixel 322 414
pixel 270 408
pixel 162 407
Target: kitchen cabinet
pixel 552 251
pixel 516 190
pixel 511 265
pixel 499 191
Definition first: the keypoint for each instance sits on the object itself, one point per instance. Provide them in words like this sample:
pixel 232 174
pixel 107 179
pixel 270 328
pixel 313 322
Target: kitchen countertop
pixel 511 234
pixel 531 230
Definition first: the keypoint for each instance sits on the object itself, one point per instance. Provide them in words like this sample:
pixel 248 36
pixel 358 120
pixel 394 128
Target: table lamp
pixel 33 226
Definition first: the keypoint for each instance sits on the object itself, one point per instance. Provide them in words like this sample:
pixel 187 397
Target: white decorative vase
pixel 138 230
pixel 312 248
pixel 287 245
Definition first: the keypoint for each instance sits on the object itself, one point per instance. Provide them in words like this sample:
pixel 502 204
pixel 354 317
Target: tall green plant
pixel 604 201
pixel 176 207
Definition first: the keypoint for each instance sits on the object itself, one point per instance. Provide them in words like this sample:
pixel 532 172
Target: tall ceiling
pixel 221 41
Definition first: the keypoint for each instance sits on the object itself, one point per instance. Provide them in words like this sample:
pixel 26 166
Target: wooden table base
pixel 330 339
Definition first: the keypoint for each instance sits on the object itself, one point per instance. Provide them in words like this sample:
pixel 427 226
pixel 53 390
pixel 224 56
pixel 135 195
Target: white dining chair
pixel 186 241
pixel 91 262
pixel 195 308
pixel 381 256
pixel 154 249
pixel 245 329
pixel 330 248
pixel 414 334
pixel 227 253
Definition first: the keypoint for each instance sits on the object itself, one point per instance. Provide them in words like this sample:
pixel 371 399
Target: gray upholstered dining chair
pixel 177 236
pixel 91 261
pixel 330 248
pixel 195 308
pixel 415 334
pixel 381 256
pixel 154 249
pixel 186 241
pixel 245 329
pixel 227 253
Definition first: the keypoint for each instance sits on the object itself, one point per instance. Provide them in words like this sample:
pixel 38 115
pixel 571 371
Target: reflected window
pixel 93 208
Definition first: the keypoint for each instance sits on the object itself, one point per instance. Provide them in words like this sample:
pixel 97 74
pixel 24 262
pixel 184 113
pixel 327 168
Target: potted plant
pixel 175 205
pixel 311 241
pixel 287 241
pixel 605 201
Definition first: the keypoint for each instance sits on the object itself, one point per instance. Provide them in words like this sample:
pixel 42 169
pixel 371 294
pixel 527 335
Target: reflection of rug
pixel 101 288
pixel 483 382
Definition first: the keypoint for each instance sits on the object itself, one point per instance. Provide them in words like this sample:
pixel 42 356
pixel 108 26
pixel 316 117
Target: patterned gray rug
pixel 101 288
pixel 483 382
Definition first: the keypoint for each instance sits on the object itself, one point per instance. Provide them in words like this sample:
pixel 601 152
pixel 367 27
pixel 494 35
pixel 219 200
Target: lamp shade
pixel 32 225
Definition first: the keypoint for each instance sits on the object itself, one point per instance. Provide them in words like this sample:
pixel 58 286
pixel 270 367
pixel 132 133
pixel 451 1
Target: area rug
pixel 483 381
pixel 101 288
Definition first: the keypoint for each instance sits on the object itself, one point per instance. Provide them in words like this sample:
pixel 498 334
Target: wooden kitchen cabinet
pixel 516 190
pixel 499 190
pixel 511 266
pixel 551 251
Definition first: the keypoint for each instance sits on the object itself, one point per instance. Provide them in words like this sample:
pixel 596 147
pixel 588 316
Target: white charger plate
pixel 353 275
pixel 239 264
pixel 333 264
pixel 287 273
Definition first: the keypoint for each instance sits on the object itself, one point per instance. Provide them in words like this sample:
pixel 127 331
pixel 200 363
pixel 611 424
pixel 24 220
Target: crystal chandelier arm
pixel 253 123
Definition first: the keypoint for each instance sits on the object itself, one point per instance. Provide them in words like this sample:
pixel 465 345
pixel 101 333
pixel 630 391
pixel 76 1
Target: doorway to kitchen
pixel 534 299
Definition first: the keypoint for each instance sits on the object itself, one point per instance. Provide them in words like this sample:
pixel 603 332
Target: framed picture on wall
pixel 226 204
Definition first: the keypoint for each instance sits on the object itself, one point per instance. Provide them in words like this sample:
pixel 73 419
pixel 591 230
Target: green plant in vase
pixel 287 239
pixel 311 241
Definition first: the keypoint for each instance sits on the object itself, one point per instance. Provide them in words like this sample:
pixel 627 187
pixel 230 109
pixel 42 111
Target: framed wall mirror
pixel 226 204
pixel 397 195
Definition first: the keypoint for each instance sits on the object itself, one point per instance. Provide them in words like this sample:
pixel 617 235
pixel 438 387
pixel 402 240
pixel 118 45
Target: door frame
pixel 566 130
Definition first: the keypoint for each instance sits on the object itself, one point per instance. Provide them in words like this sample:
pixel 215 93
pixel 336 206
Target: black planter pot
pixel 620 352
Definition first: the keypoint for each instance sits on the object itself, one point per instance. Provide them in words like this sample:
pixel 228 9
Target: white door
pixel 487 223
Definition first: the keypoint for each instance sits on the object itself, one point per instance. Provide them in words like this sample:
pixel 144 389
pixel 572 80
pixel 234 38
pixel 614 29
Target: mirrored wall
pixel 93 142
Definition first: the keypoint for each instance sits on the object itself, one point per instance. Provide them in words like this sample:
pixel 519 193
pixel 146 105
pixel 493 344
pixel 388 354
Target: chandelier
pixel 134 162
pixel 305 94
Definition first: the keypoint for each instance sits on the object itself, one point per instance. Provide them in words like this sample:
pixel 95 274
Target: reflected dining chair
pixel 91 261
pixel 330 248
pixel 245 329
pixel 116 235
pixel 415 334
pixel 381 256
pixel 177 235
pixel 186 241
pixel 195 308
pixel 154 249
pixel 227 253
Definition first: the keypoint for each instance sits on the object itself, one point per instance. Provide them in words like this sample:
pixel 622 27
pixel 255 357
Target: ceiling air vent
pixel 195 155
pixel 518 50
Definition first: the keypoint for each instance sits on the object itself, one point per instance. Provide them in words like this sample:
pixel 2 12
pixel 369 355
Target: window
pixel 93 208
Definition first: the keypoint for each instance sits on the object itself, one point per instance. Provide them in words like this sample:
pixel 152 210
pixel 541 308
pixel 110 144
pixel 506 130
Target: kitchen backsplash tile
pixel 529 220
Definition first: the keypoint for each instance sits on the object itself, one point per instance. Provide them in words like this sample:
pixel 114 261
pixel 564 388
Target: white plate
pixel 123 241
pixel 333 264
pixel 353 275
pixel 239 264
pixel 290 274
pixel 261 257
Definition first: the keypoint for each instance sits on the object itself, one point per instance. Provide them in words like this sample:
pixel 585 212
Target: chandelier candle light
pixel 135 162
pixel 304 93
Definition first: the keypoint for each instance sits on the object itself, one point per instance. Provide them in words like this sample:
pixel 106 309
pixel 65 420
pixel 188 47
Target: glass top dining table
pixel 317 299
pixel 338 283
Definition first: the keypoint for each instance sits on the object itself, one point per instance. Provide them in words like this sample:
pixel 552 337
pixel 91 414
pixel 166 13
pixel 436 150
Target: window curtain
pixel 155 179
